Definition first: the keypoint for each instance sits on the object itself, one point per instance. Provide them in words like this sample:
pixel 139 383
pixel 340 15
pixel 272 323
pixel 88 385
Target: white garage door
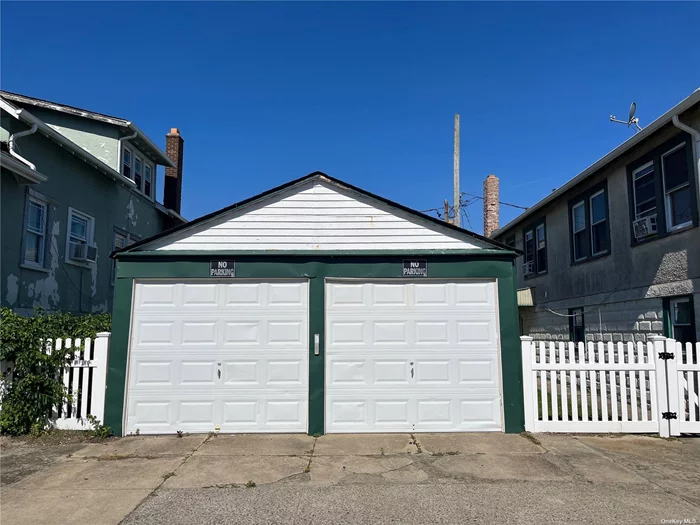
pixel 412 356
pixel 232 355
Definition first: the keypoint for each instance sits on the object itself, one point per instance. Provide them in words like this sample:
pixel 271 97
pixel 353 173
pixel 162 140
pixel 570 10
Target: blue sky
pixel 267 92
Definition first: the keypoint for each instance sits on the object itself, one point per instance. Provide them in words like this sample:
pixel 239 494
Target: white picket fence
pixel 85 378
pixel 611 387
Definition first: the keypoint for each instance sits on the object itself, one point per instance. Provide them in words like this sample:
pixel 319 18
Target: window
pixel 541 249
pixel 535 249
pixel 676 188
pixel 578 221
pixel 147 180
pixel 120 241
pixel 80 233
pixel 126 164
pixel 35 232
pixel 599 228
pixel 644 191
pixel 529 244
pixel 682 319
pixel 663 190
pixel 590 229
pixel 577 327
pixel 137 172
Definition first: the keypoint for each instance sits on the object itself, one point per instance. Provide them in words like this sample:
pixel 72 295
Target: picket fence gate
pixel 85 379
pixel 630 387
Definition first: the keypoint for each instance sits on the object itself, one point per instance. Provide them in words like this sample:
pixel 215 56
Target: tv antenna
pixel 631 119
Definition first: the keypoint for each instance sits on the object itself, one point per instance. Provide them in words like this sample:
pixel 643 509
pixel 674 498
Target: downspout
pixel 696 150
pixel 119 149
pixel 12 144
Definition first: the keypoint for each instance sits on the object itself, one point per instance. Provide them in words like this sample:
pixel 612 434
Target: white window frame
pixel 590 211
pixel 574 231
pixel 130 164
pixel 90 234
pixel 135 155
pixel 41 264
pixel 634 191
pixel 667 195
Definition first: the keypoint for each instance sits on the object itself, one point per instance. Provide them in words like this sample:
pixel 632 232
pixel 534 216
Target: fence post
pixel 663 389
pixel 675 388
pixel 99 378
pixel 526 345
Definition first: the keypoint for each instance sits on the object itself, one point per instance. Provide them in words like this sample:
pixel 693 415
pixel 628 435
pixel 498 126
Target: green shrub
pixel 37 385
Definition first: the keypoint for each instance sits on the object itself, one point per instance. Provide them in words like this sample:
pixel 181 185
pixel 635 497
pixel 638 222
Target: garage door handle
pixel 218 373
pixel 411 372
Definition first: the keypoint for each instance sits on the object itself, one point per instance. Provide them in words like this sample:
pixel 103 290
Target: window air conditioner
pixel 82 252
pixel 644 227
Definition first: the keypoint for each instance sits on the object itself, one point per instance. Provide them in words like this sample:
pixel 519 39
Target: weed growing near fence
pixel 36 386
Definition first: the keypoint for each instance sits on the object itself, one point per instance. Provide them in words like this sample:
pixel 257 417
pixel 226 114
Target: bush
pixel 37 385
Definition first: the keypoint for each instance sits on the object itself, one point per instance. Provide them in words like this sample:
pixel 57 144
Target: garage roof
pixel 316 213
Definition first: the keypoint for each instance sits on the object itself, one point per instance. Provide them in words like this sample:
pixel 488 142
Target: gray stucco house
pixel 74 186
pixel 614 254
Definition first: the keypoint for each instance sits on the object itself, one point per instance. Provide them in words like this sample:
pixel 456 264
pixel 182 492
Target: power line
pixel 499 202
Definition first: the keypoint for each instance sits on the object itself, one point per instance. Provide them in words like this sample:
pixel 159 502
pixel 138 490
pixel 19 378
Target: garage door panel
pixel 390 372
pixel 346 332
pixel 404 356
pixel 389 332
pixel 200 295
pixel 476 331
pixel 478 372
pixel 254 333
pixel 266 413
pixel 155 333
pixel 476 295
pixel 199 333
pixel 155 295
pixel 153 373
pixel 199 372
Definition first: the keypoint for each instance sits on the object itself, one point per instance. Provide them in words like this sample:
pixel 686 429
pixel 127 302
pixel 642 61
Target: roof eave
pixel 303 180
pixel 29 175
pixel 25 116
pixel 164 160
pixel 649 130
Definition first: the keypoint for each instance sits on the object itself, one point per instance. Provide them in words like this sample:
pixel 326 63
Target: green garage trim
pixel 316 268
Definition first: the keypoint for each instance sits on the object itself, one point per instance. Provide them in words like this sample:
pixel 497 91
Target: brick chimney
pixel 172 191
pixel 490 205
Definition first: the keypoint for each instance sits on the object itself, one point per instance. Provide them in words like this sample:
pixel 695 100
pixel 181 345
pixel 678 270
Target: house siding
pixel 626 286
pixel 317 216
pixel 98 138
pixel 71 183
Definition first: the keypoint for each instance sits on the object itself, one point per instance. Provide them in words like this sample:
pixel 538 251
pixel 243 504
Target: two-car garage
pixel 320 324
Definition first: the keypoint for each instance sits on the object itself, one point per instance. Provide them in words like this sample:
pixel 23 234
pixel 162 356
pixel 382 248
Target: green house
pixel 74 186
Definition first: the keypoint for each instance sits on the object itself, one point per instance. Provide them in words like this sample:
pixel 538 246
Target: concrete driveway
pixel 393 478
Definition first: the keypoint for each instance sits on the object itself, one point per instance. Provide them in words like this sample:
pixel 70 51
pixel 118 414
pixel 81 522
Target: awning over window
pixel 526 296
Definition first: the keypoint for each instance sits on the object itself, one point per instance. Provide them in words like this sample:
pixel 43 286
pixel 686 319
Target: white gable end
pixel 317 216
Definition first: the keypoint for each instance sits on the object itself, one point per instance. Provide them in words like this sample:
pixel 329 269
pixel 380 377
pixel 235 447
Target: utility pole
pixel 458 196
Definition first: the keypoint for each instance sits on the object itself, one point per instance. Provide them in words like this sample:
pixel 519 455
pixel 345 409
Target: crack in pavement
pixel 166 477
pixel 415 442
